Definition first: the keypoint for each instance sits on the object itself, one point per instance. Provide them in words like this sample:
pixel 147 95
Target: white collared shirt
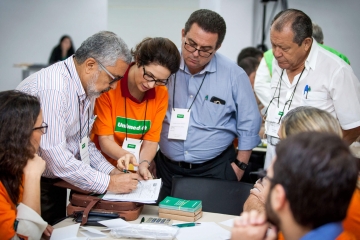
pixel 59 93
pixel 333 88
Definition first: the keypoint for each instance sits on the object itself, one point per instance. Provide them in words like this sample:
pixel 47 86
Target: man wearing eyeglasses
pixel 308 189
pixel 305 74
pixel 67 92
pixel 210 103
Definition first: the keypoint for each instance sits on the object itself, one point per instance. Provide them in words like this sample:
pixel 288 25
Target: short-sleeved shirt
pixel 212 127
pixel 327 83
pixel 138 118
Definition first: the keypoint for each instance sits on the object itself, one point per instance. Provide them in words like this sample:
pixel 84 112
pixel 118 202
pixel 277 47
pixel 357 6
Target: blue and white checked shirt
pixel 59 94
pixel 212 127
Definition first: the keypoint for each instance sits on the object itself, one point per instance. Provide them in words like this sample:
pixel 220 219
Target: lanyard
pixel 127 121
pixel 80 110
pixel 195 95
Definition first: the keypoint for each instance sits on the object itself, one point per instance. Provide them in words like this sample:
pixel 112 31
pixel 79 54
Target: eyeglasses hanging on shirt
pixel 180 117
pixel 281 113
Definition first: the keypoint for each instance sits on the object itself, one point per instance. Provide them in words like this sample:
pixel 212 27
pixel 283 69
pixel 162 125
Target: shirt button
pixel 191 96
pixel 186 152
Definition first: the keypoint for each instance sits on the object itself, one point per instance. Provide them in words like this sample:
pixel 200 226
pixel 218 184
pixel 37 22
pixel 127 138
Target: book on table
pixel 180 204
pixel 181 217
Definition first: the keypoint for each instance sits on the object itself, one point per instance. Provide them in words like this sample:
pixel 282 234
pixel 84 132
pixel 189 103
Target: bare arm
pixel 148 151
pixel 242 156
pixel 253 203
pixel 351 135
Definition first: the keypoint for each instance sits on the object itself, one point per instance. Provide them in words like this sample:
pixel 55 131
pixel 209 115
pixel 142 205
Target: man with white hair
pixel 67 91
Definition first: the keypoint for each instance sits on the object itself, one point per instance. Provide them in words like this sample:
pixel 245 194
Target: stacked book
pixel 180 209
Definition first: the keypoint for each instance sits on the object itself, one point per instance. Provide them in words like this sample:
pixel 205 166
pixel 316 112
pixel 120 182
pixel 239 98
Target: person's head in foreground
pixel 310 186
pixel 21 128
pixel 306 119
pixel 202 36
pixel 101 62
pixel 291 38
pixel 156 59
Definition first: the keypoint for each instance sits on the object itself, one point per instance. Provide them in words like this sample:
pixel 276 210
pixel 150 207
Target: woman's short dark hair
pixel 18 114
pixel 157 50
pixel 209 21
pixel 319 174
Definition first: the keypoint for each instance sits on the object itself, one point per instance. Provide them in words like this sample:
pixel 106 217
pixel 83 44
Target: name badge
pixel 179 123
pixel 84 150
pixel 133 146
pixel 272 129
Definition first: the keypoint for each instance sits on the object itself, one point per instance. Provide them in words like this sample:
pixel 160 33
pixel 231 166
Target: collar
pixel 310 61
pixel 210 67
pixel 325 232
pixel 149 94
pixel 74 76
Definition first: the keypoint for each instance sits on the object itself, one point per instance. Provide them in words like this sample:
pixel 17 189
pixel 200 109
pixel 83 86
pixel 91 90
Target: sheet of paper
pixel 115 223
pixel 64 233
pixel 146 192
pixel 92 233
pixel 207 230
pixel 229 223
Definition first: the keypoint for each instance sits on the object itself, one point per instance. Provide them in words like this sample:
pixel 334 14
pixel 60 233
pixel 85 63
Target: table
pixel 29 68
pixel 152 211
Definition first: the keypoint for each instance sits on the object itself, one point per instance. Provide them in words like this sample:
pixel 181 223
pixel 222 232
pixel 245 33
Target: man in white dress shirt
pixel 305 74
pixel 67 91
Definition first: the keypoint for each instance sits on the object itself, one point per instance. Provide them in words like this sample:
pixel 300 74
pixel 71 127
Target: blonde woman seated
pixel 21 128
pixel 130 117
pixel 307 119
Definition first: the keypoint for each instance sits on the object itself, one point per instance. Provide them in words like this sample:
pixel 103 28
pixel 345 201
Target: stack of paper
pixel 180 209
pixel 146 192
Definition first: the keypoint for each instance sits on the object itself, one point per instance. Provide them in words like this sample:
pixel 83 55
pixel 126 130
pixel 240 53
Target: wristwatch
pixel 240 165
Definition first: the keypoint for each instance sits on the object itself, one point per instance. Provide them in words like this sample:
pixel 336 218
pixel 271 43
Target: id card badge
pixel 84 150
pixel 179 123
pixel 133 146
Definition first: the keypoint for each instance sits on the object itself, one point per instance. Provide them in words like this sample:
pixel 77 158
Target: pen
pixel 126 171
pixel 180 225
pixel 142 220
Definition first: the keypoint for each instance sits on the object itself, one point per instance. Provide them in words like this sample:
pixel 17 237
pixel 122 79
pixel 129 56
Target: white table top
pixel 152 211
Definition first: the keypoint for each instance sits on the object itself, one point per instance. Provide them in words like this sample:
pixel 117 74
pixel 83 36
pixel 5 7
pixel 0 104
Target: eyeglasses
pixel 149 78
pixel 43 128
pixel 192 49
pixel 261 174
pixel 114 79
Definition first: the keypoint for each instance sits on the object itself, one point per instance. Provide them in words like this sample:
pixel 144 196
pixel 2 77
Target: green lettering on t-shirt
pixel 133 126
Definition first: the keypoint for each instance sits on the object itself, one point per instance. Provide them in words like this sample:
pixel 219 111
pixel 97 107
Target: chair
pixel 217 195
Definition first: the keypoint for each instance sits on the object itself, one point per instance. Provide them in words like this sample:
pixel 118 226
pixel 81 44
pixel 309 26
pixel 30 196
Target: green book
pixel 180 204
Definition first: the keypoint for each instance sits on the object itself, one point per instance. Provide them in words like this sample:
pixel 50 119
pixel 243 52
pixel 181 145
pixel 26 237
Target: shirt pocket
pixel 315 99
pixel 212 114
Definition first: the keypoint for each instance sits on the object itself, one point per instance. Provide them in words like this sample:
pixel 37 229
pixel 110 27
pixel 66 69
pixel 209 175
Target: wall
pixel 31 28
pixel 339 21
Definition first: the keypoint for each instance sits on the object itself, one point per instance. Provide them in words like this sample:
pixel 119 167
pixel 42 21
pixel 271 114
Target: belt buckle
pixel 190 165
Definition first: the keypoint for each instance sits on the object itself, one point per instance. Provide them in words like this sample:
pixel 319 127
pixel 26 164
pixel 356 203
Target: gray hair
pixel 318 33
pixel 299 22
pixel 105 47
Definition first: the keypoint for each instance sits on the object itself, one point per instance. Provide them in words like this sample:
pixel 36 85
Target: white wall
pixel 31 28
pixel 339 20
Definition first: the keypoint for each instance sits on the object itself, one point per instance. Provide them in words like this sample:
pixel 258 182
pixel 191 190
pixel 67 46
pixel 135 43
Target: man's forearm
pixel 253 203
pixel 244 155
pixel 351 135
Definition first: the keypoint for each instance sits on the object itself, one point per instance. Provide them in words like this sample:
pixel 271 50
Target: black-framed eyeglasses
pixel 43 128
pixel 149 78
pixel 261 174
pixel 192 49
pixel 114 79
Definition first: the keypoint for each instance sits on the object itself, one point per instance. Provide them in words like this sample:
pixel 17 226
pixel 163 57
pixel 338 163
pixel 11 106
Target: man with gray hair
pixel 67 91
pixel 305 74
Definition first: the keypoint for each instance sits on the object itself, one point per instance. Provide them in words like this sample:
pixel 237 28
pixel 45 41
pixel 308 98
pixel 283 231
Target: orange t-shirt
pixel 7 213
pixel 140 118
pixel 352 220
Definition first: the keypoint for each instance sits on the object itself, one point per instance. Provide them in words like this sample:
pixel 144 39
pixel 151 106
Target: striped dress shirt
pixel 64 103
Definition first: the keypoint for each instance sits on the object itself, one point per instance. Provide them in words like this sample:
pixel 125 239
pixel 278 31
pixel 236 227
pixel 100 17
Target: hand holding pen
pixel 124 161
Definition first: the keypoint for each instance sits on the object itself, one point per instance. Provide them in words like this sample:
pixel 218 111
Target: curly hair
pixel 18 114
pixel 157 50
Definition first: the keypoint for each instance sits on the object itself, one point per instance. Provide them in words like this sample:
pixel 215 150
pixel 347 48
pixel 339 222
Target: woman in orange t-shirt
pixel 21 127
pixel 129 118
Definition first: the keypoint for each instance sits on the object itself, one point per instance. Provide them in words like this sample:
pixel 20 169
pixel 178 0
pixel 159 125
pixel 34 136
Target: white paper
pixel 179 123
pixel 92 233
pixel 67 233
pixel 115 223
pixel 205 231
pixel 146 192
pixel 133 146
pixel 229 223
